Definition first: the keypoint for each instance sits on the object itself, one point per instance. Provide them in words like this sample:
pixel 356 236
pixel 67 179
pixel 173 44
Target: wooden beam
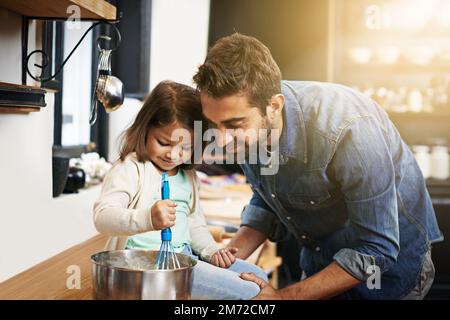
pixel 57 9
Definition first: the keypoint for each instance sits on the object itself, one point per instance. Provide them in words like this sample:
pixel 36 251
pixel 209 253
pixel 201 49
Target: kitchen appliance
pixel 76 180
pixel 60 171
pixel 131 275
pixel 167 259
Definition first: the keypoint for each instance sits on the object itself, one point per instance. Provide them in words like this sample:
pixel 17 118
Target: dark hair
pixel 240 64
pixel 168 102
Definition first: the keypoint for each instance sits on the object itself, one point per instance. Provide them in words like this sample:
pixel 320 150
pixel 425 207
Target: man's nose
pixel 224 138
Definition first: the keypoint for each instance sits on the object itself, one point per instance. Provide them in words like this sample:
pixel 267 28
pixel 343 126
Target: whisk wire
pixel 175 262
pixel 167 258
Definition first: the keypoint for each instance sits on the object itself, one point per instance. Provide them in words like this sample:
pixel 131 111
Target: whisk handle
pixel 166 235
pixel 165 190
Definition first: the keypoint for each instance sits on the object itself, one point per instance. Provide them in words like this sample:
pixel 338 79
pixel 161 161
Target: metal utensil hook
pixel 45 58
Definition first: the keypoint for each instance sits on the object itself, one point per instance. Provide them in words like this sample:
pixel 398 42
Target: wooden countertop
pixel 47 280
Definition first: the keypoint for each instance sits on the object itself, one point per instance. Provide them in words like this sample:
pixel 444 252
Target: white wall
pixel 179 39
pixel 119 120
pixel 33 225
pixel 179 42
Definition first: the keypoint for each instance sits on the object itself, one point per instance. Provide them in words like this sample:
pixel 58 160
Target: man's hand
pixel 247 240
pixel 163 214
pixel 224 258
pixel 267 291
pixel 329 282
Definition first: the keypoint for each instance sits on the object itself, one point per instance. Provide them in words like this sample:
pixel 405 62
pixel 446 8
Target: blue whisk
pixel 167 258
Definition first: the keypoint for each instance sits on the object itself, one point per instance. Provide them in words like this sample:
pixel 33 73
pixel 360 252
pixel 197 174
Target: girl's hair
pixel 168 102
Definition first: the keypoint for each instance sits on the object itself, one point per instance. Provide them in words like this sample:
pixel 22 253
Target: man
pixel 347 187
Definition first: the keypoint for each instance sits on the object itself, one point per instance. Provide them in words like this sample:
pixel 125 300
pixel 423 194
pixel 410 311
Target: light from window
pixel 77 86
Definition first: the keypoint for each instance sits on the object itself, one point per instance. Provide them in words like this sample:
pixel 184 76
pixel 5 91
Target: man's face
pixel 229 114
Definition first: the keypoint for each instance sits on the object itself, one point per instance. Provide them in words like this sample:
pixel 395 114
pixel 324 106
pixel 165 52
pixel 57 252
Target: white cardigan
pixel 123 208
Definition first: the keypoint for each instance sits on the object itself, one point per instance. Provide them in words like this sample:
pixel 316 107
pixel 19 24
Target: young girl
pixel 130 210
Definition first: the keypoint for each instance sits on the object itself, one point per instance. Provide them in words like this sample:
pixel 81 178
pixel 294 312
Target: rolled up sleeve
pixel 363 167
pixel 258 215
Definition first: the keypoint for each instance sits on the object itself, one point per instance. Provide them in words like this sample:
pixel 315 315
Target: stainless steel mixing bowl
pixel 130 275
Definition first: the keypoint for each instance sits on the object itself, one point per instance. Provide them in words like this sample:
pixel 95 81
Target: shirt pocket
pixel 309 202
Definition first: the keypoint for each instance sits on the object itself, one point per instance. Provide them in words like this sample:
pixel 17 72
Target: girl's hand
pixel 224 258
pixel 163 214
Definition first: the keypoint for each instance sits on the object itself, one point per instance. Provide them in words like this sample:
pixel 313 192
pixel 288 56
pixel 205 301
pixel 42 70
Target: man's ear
pixel 276 104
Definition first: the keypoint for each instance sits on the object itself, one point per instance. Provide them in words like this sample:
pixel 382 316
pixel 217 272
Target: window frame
pixel 53 45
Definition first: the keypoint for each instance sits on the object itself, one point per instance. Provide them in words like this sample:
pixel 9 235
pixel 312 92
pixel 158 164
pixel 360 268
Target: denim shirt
pixel 348 188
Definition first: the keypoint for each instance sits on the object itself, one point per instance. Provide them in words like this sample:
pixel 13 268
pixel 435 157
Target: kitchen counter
pixel 47 280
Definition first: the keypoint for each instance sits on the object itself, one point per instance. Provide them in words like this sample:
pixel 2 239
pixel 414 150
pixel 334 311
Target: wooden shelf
pixel 17 110
pixel 398 67
pixel 20 99
pixel 363 35
pixel 432 116
pixel 57 9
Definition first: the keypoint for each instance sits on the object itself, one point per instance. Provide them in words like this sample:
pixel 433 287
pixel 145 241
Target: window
pixel 76 87
pixel 74 84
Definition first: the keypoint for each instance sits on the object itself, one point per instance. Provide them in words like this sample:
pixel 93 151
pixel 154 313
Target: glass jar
pixel 422 155
pixel 415 101
pixel 440 163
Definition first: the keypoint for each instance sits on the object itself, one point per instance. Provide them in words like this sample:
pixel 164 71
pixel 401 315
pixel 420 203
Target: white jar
pixel 415 101
pixel 422 155
pixel 440 163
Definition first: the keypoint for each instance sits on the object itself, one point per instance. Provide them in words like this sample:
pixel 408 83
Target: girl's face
pixel 169 146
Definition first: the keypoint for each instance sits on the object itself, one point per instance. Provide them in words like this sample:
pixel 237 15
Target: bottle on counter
pixel 440 162
pixel 423 158
pixel 415 101
pixel 440 93
pixel 428 100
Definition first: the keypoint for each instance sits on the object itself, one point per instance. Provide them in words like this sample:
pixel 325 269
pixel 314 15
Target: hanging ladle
pixel 108 89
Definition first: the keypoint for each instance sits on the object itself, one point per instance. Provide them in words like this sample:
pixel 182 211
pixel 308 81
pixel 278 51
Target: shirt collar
pixel 293 135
